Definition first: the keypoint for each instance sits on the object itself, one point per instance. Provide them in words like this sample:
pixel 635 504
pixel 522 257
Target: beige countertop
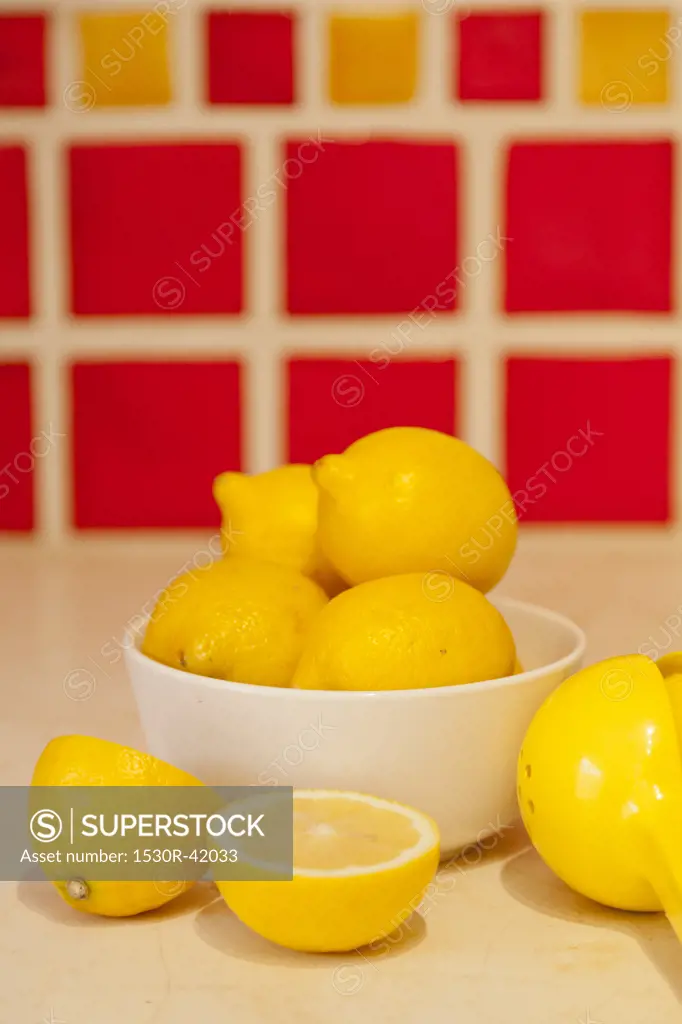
pixel 502 940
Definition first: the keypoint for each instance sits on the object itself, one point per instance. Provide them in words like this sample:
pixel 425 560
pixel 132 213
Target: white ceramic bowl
pixel 450 751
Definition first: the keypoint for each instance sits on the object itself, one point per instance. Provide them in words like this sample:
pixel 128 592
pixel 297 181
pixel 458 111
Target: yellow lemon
pixel 408 499
pixel 237 619
pixel 273 517
pixel 670 667
pixel 392 634
pixel 361 866
pixel 670 664
pixel 518 667
pixel 87 761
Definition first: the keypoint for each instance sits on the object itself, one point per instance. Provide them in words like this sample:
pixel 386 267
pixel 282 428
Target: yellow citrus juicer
pixel 600 784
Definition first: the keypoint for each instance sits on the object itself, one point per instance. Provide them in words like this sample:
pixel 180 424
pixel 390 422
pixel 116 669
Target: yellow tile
pixel 626 56
pixel 125 59
pixel 373 59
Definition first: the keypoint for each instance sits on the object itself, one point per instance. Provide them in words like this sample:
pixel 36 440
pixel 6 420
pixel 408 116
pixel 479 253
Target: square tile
pixel 156 229
pixel 148 439
pixel 17 454
pixel 14 241
pixel 625 57
pixel 125 59
pixel 348 252
pixel 373 59
pixel 589 439
pixel 333 402
pixel 22 60
pixel 251 57
pixel 590 224
pixel 500 56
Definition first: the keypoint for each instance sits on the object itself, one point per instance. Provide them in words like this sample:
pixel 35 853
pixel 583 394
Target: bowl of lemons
pixel 346 639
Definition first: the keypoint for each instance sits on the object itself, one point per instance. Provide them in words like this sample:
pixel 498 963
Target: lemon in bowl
pixel 408 499
pixel 239 619
pixel 390 634
pixel 272 517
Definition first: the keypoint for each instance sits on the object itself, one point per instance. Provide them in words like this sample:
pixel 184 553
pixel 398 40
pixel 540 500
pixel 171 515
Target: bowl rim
pixel 133 654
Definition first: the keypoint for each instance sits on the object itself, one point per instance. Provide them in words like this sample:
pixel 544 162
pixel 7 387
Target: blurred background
pixel 237 235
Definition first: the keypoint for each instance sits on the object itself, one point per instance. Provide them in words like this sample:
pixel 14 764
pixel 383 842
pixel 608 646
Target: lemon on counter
pixel 361 866
pixel 88 761
pixel 273 517
pixel 392 634
pixel 409 499
pixel 237 619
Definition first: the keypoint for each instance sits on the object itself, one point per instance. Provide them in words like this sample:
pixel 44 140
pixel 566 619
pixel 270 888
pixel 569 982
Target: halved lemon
pixel 361 866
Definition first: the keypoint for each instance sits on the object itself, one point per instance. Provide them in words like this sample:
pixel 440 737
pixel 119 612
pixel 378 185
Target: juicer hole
pixel 528 771
pixel 531 807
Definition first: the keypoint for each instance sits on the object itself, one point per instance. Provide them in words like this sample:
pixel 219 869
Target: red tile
pixel 156 229
pixel 591 226
pixel 22 60
pixel 589 440
pixel 500 56
pixel 250 57
pixel 14 261
pixel 17 455
pixel 333 402
pixel 149 439
pixel 372 226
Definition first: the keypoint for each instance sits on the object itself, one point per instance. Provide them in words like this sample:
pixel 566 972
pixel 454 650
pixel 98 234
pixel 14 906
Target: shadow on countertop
pixel 531 882
pixel 216 925
pixel 42 898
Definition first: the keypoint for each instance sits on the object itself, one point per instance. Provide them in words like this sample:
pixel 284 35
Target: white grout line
pixel 560 59
pixel 408 120
pixel 311 46
pixel 434 67
pixel 102 338
pixel 189 63
pixel 264 380
pixel 262 264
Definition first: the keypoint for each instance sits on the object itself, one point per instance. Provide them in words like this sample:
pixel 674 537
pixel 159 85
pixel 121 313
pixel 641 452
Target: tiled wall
pixel 236 234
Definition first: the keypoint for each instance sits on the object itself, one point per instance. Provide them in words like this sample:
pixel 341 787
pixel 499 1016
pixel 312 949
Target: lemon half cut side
pixel 361 867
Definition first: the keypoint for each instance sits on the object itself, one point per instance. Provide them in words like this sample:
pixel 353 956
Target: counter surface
pixel 501 941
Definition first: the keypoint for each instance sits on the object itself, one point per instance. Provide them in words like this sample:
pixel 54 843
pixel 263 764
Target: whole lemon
pixel 88 761
pixel 409 499
pixel 273 517
pixel 391 634
pixel 237 619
